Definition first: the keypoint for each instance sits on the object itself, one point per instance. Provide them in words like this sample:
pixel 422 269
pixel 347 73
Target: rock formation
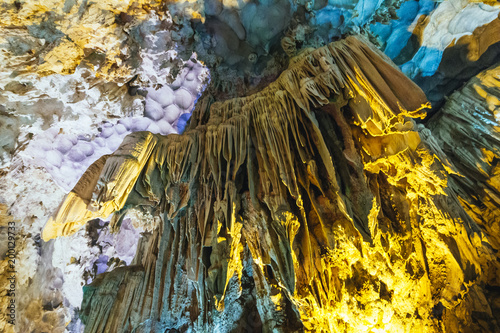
pixel 441 49
pixel 316 204
pixel 465 128
pixel 313 189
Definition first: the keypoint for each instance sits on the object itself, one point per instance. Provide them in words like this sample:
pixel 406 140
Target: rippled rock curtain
pixel 316 204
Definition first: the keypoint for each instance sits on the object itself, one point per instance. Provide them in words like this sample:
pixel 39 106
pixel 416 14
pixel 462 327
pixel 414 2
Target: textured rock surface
pixel 316 204
pixel 105 51
pixel 467 130
pixel 245 43
pixel 441 49
pixel 66 157
pixel 76 77
pixel 54 37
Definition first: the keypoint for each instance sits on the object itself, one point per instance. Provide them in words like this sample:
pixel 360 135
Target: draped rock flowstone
pixel 316 204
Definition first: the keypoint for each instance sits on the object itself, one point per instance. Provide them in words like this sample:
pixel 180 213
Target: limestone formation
pixel 66 156
pixel 466 129
pixel 316 204
pixel 442 45
pixel 312 189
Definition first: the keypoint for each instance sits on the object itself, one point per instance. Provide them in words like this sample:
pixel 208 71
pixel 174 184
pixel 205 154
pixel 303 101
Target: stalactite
pixel 315 204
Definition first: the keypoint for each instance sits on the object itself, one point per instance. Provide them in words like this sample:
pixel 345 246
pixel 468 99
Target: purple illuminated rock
pixel 63 144
pixel 165 127
pixel 154 128
pixel 140 124
pixel 163 96
pixel 154 110
pixel 172 113
pixel 100 142
pixel 106 132
pixel 120 129
pixel 183 98
pixel 127 122
pixel 85 147
pixel 163 107
pixel 76 155
pixel 54 157
pixel 102 264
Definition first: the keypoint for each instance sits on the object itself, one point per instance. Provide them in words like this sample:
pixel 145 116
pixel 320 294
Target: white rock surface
pixel 451 20
pixel 66 157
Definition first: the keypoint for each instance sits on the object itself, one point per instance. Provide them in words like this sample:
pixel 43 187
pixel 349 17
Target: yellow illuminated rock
pixel 104 188
pixel 317 204
pixel 325 200
pixel 318 195
pixel 467 130
pixel 62 59
pixel 67 29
